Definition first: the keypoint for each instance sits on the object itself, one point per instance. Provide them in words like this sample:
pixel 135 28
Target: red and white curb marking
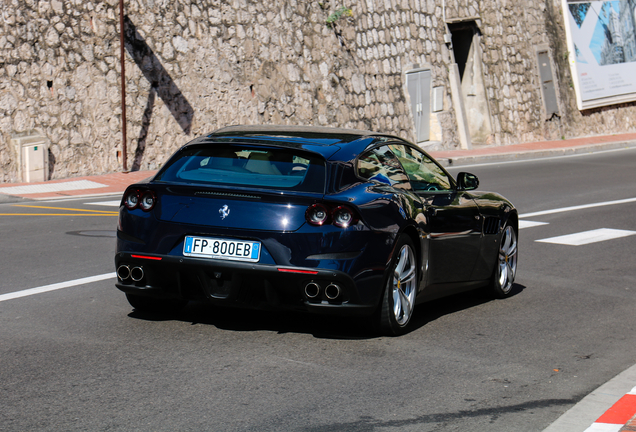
pixel 617 416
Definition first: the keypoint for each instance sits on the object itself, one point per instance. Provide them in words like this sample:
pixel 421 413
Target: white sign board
pixel 601 38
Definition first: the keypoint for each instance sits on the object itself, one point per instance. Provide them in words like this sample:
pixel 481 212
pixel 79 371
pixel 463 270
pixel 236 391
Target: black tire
pixel 154 305
pixel 398 300
pixel 505 270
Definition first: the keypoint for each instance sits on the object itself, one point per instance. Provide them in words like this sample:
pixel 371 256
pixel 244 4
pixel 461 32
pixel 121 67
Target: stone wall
pixel 193 66
pixel 512 31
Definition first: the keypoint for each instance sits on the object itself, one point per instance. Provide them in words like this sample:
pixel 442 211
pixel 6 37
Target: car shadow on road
pixel 281 322
pixel 433 310
pixel 319 326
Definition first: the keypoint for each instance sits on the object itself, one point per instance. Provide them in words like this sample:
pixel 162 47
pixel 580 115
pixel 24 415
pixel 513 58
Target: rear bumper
pixel 241 284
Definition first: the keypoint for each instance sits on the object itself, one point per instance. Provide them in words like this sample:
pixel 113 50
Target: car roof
pixel 334 144
pixel 316 135
pixel 329 142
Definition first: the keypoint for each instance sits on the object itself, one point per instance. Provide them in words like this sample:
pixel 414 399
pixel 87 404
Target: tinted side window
pixel 381 165
pixel 423 173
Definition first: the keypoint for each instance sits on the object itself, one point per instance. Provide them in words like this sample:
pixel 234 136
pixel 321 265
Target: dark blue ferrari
pixel 315 219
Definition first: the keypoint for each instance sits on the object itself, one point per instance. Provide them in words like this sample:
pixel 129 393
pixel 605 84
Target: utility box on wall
pixel 32 149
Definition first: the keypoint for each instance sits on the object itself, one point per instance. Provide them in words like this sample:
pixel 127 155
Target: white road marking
pixel 588 237
pixel 537 159
pixel 604 427
pixel 530 224
pixel 51 187
pixel 56 286
pixel 579 207
pixel 106 203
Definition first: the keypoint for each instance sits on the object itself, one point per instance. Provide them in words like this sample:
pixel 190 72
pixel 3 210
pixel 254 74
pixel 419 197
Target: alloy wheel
pixel 403 285
pixel 507 265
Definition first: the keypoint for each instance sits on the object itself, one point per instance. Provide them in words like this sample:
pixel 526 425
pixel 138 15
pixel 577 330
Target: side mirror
pixel 467 181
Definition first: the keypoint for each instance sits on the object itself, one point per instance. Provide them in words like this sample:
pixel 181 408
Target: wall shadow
pixel 52 162
pixel 145 124
pixel 162 85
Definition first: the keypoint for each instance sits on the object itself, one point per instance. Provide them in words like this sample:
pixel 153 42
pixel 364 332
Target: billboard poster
pixel 601 38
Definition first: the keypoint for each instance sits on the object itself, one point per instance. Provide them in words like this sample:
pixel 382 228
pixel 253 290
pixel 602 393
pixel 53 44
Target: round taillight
pixel 342 217
pixel 148 201
pixel 317 214
pixel 131 201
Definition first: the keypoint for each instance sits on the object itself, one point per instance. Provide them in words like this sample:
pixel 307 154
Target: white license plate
pixel 237 250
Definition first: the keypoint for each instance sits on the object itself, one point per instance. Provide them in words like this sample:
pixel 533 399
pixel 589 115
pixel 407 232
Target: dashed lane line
pixel 587 237
pixel 56 286
pixel 529 224
pixel 579 207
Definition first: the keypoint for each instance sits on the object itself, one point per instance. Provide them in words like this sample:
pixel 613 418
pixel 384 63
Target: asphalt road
pixel 79 358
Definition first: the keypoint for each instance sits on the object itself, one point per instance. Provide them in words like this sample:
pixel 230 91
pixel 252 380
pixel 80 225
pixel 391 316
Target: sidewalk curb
pixel 107 184
pixel 582 415
pixel 527 155
pixel 12 199
pixel 8 199
pixel 73 197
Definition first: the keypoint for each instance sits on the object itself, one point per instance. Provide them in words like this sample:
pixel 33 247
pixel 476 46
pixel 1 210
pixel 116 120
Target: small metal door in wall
pixel 547 85
pixel 418 83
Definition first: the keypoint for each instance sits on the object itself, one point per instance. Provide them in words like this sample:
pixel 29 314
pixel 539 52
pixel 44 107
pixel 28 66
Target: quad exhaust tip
pixel 332 291
pixel 137 273
pixel 124 272
pixel 312 290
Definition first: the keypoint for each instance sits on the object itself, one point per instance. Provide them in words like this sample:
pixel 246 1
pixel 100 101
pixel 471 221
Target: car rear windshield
pixel 247 166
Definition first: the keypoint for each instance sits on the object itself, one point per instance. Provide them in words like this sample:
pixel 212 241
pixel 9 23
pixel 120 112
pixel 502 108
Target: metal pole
pixel 123 85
